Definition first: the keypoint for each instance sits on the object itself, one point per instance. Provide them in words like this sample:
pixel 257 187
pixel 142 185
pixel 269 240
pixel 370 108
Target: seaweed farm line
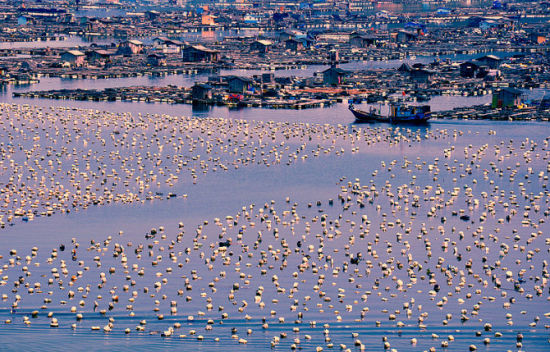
pixel 153 231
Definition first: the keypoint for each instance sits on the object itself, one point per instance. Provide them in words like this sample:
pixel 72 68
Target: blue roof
pixel 415 25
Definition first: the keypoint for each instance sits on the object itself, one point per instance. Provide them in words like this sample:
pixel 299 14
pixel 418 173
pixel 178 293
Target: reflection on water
pixel 200 109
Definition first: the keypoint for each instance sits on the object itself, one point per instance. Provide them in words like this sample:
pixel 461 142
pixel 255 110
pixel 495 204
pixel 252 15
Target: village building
pixel 507 97
pixel 340 37
pixel 27 65
pixel 152 15
pixel 491 61
pixel 287 34
pixel 294 45
pixel 358 40
pixel 156 59
pixel 405 67
pixel 261 46
pixel 208 20
pixel 201 92
pixel 199 53
pixel 421 75
pixel 130 47
pixel 99 56
pixel 267 78
pixel 468 69
pixel 251 19
pixel 406 36
pixel 121 32
pixel 75 58
pixel 333 76
pixel 168 46
pixel 238 84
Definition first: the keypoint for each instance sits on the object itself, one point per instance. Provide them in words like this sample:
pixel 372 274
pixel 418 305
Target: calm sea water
pixel 504 162
pixel 218 194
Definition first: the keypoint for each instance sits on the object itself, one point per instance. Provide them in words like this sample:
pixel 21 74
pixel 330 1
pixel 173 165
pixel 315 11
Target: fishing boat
pixel 399 113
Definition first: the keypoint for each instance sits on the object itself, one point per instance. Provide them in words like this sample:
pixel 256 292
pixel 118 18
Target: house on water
pixel 294 44
pixel 491 61
pixel 201 92
pixel 199 53
pixel 261 46
pixel 130 47
pixel 506 98
pixel 421 75
pixel 156 59
pixel 75 58
pixel 359 40
pixel 237 84
pixel 334 76
pixel 168 46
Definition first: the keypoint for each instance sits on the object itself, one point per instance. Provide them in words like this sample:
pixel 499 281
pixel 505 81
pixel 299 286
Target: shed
pixel 361 40
pixel 199 53
pixel 201 91
pixel 490 61
pixel 99 55
pixel 130 47
pixel 294 44
pixel 334 76
pixel 156 59
pixel 261 46
pixel 238 84
pixel 506 97
pixel 74 57
pixel 168 46
pixel 420 75
pixel 406 36
pixel 468 69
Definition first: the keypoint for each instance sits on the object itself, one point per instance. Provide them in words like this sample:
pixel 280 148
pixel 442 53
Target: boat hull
pixel 367 117
pixel 415 120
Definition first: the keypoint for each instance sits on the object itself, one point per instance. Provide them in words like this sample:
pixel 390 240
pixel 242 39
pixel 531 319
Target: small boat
pixel 399 113
pixel 422 97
